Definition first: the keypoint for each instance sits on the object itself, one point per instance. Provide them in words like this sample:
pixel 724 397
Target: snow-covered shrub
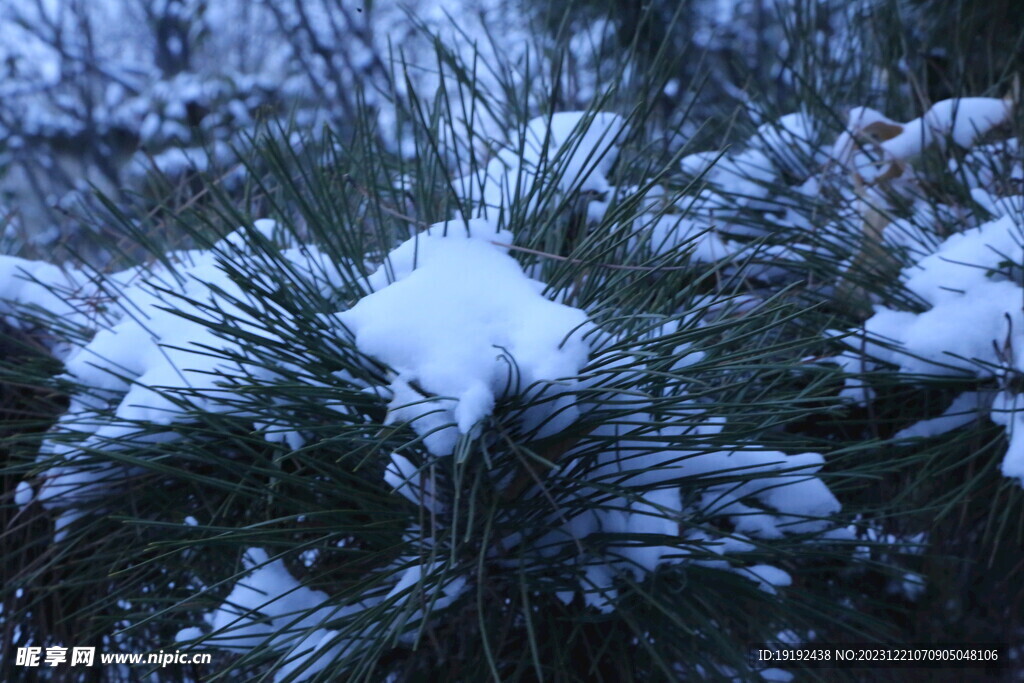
pixel 971 328
pixel 516 399
pixel 413 440
pixel 910 234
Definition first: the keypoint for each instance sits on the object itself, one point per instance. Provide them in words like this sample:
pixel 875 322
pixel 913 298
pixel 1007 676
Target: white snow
pixel 965 409
pixel 145 358
pixel 975 300
pixel 793 500
pixel 967 260
pixel 975 322
pixel 269 608
pixel 963 119
pixel 23 494
pixel 672 231
pixel 462 328
pixel 1008 411
pixel 450 312
pixel 43 288
pixel 266 601
pixel 408 480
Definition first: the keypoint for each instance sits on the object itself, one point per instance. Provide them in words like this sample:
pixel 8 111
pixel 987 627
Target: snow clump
pixel 460 324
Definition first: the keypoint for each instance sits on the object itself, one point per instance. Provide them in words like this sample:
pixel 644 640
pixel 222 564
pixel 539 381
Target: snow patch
pixel 462 327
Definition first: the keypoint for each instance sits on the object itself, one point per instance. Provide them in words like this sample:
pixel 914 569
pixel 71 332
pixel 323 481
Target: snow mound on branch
pixel 462 326
pixel 965 409
pixel 975 327
pixel 635 470
pixel 963 119
pixel 43 288
pixel 972 283
pixel 789 496
pixel 966 260
pixel 152 357
pixel 1008 411
pixel 268 600
pixel 872 141
pixel 269 608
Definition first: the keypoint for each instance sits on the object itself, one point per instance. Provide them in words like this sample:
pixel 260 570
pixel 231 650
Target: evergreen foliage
pixel 738 457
